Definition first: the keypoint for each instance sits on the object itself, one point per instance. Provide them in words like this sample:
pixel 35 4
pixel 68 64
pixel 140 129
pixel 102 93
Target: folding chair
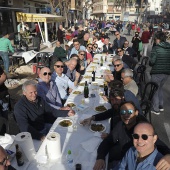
pixel 146 109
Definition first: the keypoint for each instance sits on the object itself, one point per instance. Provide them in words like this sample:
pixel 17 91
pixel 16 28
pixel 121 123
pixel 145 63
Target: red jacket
pixel 145 37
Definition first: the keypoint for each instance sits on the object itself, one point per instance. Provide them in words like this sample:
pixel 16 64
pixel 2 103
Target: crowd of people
pixel 132 142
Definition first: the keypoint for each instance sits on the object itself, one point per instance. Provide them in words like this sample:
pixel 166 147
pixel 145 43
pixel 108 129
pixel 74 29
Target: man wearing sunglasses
pixel 143 155
pixel 33 114
pixel 119 41
pixel 48 90
pixel 120 139
pixel 64 84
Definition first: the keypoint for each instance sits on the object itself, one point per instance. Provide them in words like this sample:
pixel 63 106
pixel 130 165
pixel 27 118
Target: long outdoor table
pixel 73 137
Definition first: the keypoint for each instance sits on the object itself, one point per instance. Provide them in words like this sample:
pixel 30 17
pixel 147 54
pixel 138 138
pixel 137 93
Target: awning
pixel 33 17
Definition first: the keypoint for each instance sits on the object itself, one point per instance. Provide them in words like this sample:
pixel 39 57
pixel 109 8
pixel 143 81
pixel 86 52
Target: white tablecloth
pixel 71 139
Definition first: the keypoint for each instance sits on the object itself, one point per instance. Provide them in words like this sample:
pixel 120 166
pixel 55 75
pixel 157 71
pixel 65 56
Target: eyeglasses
pixel 143 136
pixel 119 51
pixel 4 162
pixel 117 65
pixel 45 73
pixel 82 54
pixel 59 66
pixel 129 112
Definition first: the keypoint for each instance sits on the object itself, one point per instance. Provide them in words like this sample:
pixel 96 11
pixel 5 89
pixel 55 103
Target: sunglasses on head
pixel 45 73
pixel 129 112
pixel 59 66
pixel 117 65
pixel 143 136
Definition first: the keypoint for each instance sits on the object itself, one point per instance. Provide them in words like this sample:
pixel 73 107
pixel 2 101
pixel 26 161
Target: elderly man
pixel 64 84
pixel 59 52
pixel 128 50
pixel 33 114
pixel 119 41
pixel 144 155
pixel 120 139
pixel 129 83
pixel 70 70
pixel 5 46
pixel 48 90
pixel 4 160
pixel 76 47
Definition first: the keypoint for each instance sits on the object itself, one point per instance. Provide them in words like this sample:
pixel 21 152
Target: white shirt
pixel 63 83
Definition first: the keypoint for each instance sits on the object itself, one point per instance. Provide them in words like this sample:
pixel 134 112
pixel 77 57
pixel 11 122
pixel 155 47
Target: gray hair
pixel 121 62
pixel 116 57
pixel 81 51
pixel 128 72
pixel 27 83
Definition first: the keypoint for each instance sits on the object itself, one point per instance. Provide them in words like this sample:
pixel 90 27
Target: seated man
pixel 128 50
pixel 120 139
pixel 48 90
pixel 144 154
pixel 127 59
pixel 4 95
pixel 33 114
pixel 129 83
pixel 70 70
pixel 107 47
pixel 64 84
pixel 59 52
pixel 116 74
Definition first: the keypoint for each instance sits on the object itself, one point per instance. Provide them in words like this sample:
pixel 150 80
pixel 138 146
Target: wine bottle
pixel 101 61
pixel 105 89
pixel 93 75
pixel 86 90
pixel 19 156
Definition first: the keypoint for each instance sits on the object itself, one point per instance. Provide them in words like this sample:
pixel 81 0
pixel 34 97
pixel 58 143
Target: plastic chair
pixel 144 61
pixel 146 109
pixel 139 75
pixel 151 88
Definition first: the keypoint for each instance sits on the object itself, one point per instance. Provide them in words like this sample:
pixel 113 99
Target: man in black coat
pixel 107 47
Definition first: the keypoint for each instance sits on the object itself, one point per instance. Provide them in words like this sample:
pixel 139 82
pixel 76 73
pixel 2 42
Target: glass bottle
pixel 19 156
pixel 93 75
pixel 105 89
pixel 86 90
pixel 101 61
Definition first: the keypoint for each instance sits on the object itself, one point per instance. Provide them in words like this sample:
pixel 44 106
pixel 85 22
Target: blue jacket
pixel 49 93
pixel 129 161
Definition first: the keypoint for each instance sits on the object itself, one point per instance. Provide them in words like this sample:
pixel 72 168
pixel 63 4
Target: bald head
pixel 72 64
pixel 45 74
pixel 57 44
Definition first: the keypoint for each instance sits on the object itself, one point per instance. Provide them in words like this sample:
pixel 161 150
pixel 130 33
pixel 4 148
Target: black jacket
pixel 109 50
pixel 130 61
pixel 115 44
pixel 32 116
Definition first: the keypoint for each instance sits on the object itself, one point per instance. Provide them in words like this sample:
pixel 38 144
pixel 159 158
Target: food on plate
pixel 71 105
pixel 77 92
pixel 93 67
pixel 65 123
pixel 100 108
pixel 89 70
pixel 98 77
pixel 87 77
pixel 97 127
pixel 95 58
pixel 102 85
pixel 95 83
pixel 82 84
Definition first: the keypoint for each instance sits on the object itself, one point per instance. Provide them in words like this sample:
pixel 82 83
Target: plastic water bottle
pixel 114 52
pixel 70 159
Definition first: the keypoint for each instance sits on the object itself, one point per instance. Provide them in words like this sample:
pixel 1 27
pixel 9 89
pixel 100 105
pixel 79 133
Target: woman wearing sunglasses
pixel 143 155
pixel 120 139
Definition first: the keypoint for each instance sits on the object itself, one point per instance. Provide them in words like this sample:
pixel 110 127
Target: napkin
pixel 92 144
pixel 6 141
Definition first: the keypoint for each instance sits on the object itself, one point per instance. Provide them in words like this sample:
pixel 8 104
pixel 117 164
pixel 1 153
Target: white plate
pixel 98 124
pixel 63 120
pixel 78 91
pixel 99 111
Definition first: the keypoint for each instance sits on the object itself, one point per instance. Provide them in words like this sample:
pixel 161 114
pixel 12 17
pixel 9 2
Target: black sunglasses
pixel 95 46
pixel 119 51
pixel 45 73
pixel 4 162
pixel 143 136
pixel 117 65
pixel 82 54
pixel 90 47
pixel 59 66
pixel 129 112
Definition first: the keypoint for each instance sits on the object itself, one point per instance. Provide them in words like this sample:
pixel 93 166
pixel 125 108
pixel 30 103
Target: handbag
pixel 140 48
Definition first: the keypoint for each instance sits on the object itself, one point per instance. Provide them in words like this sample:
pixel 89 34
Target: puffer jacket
pixel 160 58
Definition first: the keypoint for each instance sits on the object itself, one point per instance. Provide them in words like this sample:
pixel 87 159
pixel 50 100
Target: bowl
pixel 97 127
